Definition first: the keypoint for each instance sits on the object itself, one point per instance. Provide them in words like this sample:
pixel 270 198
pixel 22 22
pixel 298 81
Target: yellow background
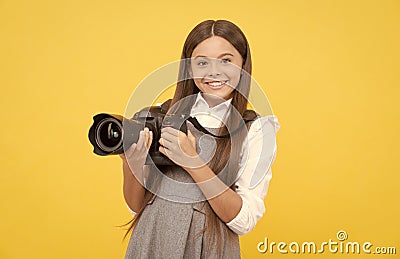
pixel 329 68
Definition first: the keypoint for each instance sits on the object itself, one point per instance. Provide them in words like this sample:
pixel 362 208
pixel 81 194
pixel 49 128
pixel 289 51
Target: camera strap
pixel 199 127
pixel 248 116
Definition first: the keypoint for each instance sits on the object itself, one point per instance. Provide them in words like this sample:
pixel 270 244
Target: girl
pixel 209 227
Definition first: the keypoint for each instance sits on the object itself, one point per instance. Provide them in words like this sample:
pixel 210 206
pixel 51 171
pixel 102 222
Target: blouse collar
pixel 201 105
pixel 209 116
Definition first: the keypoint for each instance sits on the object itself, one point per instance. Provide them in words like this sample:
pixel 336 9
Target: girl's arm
pixel 133 167
pixel 133 190
pixel 240 209
pixel 226 205
pixel 181 149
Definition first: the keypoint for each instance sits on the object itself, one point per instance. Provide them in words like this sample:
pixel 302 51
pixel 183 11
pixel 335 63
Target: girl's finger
pixel 147 138
pixel 141 139
pixel 150 140
pixel 131 149
pixel 191 138
pixel 166 152
pixel 162 150
pixel 170 130
pixel 166 143
pixel 168 136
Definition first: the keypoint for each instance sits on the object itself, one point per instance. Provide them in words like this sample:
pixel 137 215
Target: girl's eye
pixel 226 60
pixel 202 63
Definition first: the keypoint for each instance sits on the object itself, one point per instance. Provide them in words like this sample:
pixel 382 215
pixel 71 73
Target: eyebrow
pixel 223 54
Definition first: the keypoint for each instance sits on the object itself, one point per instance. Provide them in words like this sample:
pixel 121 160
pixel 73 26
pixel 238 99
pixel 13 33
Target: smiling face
pixel 216 67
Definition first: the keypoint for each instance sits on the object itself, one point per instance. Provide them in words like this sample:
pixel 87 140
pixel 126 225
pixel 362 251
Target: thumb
pixel 191 138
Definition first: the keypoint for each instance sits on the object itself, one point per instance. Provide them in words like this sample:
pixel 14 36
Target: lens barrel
pixel 109 132
pixel 112 134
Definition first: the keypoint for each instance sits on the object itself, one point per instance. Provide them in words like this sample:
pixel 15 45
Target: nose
pixel 214 69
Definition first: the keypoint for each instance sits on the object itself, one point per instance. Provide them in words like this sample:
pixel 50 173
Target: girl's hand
pixel 136 155
pixel 180 148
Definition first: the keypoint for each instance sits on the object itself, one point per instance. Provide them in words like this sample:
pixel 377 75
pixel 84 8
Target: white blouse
pixel 256 158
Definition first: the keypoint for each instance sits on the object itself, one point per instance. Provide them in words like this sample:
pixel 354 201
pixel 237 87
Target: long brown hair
pixel 223 161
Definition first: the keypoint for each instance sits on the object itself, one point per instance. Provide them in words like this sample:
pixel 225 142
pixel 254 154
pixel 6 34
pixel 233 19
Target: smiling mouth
pixel 216 83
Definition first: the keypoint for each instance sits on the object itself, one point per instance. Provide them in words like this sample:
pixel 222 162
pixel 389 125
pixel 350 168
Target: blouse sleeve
pixel 255 173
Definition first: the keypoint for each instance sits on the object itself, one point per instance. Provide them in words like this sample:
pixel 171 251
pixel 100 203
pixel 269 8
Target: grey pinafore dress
pixel 167 229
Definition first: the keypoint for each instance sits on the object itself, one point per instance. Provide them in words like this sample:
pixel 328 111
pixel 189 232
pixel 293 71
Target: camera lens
pixel 109 134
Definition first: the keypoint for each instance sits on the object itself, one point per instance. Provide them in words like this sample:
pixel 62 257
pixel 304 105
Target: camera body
pixel 112 134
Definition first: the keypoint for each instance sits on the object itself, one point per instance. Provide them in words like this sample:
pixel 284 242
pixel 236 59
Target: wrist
pixel 197 167
pixel 125 163
pixel 194 171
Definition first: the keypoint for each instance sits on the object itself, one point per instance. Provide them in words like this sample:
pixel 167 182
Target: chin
pixel 219 93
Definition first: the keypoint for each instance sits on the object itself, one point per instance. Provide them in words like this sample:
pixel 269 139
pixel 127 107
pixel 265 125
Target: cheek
pixel 197 82
pixel 233 72
pixel 234 77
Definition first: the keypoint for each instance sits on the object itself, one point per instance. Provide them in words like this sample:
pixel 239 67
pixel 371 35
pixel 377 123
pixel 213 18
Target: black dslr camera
pixel 113 134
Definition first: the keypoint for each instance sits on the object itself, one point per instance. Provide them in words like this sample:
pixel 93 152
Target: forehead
pixel 213 47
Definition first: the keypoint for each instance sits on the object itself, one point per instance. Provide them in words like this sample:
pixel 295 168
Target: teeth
pixel 215 83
